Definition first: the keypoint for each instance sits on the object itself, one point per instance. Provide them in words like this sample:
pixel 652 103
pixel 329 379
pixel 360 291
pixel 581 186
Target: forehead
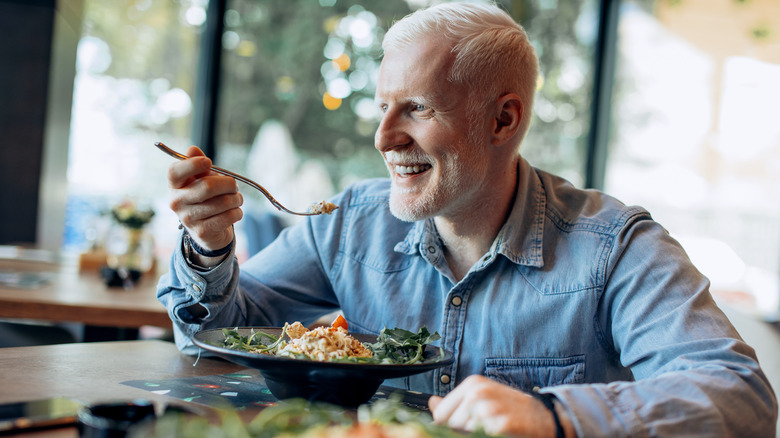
pixel 416 71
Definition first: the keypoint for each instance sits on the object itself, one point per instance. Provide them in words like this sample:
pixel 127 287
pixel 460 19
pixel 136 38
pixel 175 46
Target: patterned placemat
pixel 242 390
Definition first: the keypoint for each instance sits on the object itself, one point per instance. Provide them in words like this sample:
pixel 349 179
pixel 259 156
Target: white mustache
pixel 405 158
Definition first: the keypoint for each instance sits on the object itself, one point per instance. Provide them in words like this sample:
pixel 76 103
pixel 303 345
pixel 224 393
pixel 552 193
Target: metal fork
pixel 314 210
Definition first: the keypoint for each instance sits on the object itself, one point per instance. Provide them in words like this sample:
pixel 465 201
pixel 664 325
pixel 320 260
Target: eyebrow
pixel 424 99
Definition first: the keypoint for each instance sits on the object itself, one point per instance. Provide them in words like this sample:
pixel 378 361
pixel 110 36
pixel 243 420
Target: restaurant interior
pixel 667 104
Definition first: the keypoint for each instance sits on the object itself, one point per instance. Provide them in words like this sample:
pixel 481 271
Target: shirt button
pixel 456 301
pixel 536 389
pixel 196 287
pixel 431 249
pixel 445 378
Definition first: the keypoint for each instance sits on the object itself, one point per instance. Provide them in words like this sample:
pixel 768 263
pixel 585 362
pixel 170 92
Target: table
pixel 83 297
pixel 93 372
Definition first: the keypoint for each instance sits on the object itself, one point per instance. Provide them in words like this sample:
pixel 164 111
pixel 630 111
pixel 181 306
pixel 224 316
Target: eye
pixel 383 107
pixel 418 107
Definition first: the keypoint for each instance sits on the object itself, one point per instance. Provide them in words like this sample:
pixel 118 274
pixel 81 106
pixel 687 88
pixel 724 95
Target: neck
pixel 469 234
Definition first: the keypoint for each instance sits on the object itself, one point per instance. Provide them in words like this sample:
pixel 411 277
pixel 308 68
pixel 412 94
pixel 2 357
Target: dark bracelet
pixel 547 399
pixel 189 241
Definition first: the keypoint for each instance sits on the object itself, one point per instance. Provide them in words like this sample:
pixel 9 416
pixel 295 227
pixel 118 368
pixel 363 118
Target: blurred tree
pixel 148 41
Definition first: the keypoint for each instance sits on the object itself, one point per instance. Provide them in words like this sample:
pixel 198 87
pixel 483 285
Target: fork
pixel 314 210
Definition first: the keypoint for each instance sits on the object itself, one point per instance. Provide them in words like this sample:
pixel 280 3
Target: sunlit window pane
pixel 696 137
pixel 134 83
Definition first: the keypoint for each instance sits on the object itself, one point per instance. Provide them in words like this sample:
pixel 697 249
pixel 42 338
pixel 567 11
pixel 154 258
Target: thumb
pixel 194 151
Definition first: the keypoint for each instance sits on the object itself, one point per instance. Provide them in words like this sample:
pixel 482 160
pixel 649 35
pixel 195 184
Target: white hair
pixel 493 54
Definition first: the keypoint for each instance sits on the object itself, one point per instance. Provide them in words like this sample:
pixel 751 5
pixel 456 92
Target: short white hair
pixel 491 50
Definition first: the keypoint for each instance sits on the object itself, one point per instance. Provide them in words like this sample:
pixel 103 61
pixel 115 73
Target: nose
pixel 391 132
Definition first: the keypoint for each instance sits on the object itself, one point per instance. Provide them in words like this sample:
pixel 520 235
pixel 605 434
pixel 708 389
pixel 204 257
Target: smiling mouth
pixel 406 171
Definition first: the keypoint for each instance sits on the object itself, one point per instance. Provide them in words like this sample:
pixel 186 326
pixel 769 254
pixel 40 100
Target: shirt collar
pixel 414 237
pixel 520 239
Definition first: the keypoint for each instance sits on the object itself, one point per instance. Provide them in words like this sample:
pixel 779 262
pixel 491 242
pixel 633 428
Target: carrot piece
pixel 340 322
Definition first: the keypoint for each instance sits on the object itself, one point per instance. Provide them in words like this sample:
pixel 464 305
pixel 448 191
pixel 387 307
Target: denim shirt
pixel 579 296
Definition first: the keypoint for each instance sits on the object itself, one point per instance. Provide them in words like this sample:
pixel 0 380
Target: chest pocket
pixel 526 373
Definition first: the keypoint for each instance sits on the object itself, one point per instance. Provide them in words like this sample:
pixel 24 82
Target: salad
pixel 299 418
pixel 393 346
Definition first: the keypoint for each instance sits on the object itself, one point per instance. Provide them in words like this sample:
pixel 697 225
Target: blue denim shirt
pixel 579 295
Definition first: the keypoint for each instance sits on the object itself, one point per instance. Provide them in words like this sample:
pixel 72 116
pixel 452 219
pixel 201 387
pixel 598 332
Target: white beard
pixel 411 205
pixel 447 194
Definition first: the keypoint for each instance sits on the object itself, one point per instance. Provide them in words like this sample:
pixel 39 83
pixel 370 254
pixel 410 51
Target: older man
pixel 568 312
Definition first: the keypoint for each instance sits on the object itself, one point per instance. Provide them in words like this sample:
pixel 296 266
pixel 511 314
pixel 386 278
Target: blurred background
pixel 668 104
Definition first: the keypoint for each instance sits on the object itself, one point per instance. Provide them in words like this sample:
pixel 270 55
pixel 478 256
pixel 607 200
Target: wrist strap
pixel 190 242
pixel 547 399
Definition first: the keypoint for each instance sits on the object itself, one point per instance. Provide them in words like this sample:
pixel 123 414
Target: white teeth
pixel 397 157
pixel 410 170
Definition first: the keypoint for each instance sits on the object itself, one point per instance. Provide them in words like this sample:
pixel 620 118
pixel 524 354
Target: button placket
pixel 455 314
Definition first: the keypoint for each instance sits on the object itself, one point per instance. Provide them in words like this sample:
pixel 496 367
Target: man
pixel 536 286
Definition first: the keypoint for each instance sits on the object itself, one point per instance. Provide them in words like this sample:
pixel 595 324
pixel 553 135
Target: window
pixel 695 137
pixel 134 83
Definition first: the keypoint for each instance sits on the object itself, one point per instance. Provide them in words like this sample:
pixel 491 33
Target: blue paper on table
pixel 24 280
pixel 243 390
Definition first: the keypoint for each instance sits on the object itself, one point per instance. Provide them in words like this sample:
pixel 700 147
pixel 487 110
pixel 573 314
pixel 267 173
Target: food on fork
pixel 323 207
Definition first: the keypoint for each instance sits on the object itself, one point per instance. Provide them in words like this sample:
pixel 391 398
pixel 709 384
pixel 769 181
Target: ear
pixel 509 112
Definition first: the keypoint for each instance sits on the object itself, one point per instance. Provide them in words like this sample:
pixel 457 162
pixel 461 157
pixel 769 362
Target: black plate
pixel 346 384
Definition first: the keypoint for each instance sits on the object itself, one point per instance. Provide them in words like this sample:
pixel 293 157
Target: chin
pixel 409 208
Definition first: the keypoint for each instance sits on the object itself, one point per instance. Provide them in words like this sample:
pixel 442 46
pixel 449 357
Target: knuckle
pixel 236 200
pixel 187 219
pixel 173 176
pixel 207 183
pixel 176 205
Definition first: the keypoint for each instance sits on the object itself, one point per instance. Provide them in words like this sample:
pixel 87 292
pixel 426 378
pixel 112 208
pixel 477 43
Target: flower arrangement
pixel 130 216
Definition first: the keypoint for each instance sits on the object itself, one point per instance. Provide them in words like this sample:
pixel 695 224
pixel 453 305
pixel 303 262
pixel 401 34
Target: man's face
pixel 433 149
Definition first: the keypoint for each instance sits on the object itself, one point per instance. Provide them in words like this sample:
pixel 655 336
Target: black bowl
pixel 344 383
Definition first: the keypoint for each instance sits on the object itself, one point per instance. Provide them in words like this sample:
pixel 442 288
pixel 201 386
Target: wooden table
pixel 93 372
pixel 83 297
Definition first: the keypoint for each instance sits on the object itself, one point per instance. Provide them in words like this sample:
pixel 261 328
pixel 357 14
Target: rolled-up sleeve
pixel 183 287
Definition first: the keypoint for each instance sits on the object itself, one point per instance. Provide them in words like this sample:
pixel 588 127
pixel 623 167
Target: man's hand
pixel 479 402
pixel 207 204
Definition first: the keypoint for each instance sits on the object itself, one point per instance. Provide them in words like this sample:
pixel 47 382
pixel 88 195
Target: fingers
pixel 183 173
pixel 208 204
pixel 209 215
pixel 453 410
pixel 479 402
pixel 194 151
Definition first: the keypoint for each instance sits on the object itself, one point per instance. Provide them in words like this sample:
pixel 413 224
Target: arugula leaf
pixel 253 342
pixel 400 346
